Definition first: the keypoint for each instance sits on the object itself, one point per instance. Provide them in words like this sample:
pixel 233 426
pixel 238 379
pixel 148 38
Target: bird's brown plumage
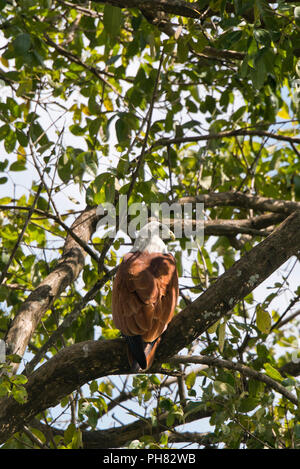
pixel 144 296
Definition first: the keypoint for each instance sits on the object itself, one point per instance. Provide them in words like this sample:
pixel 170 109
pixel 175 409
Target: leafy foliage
pixel 99 102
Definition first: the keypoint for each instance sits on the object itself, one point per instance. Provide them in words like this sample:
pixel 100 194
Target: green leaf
pixel 4 388
pixel 155 380
pixel 93 386
pixel 39 434
pixel 263 320
pixel 236 116
pixel 64 168
pixel 4 131
pixel 262 36
pixel 24 87
pixel 68 433
pixel 272 372
pixel 192 407
pixel 170 419
pixel 122 129
pixel 92 416
pixel 20 394
pixel 212 329
pixel 182 50
pixel 297 426
pixel 22 138
pixel 77 130
pixel 19 379
pixel 15 358
pixel 37 134
pixel 259 72
pixel 10 142
pixel 22 44
pixel 110 190
pixel 190 380
pixel 247 404
pixel 223 388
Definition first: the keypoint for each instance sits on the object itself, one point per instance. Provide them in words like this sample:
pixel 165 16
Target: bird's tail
pixel 140 353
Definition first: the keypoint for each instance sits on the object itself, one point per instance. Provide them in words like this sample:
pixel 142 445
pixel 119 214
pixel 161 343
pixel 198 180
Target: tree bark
pixel 246 201
pixel 175 7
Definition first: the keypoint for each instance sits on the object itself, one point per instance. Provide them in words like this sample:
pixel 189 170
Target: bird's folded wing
pixel 145 294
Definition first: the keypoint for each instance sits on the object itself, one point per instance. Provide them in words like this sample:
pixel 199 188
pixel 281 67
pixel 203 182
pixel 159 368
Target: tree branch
pixel 119 436
pixel 239 199
pixel 231 287
pixel 219 227
pixel 175 7
pixel 40 300
pixel 240 367
pixel 225 134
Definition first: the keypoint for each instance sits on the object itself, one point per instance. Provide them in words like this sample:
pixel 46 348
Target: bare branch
pixel 239 199
pixel 225 134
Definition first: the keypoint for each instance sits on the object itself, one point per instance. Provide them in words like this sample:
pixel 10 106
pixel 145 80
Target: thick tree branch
pixel 119 436
pixel 175 7
pixel 247 201
pixel 291 368
pixel 225 134
pixel 241 368
pixel 82 362
pixel 252 226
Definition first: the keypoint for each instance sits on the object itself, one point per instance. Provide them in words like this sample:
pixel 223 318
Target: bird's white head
pixel 150 238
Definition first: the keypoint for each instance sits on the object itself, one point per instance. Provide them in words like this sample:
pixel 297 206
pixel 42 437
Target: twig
pixel 75 59
pixel 35 440
pixel 150 112
pixel 225 134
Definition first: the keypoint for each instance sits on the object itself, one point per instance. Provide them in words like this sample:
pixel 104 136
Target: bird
pixel 145 294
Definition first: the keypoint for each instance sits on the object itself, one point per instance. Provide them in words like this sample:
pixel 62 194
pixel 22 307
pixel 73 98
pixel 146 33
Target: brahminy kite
pixel 145 293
